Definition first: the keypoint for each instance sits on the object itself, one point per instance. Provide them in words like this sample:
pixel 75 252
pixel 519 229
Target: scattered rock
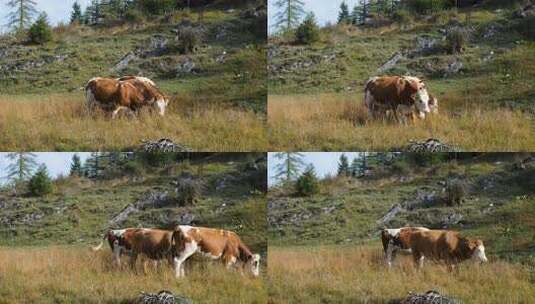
pixel 186 66
pixel 390 214
pixel 163 145
pixel 451 219
pixel 430 297
pixel 163 297
pixel 453 67
pixel 430 145
pixel 390 63
pixel 125 61
pixel 151 199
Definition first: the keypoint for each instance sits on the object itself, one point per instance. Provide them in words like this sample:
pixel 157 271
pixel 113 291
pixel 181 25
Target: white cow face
pixel 421 97
pixel 479 252
pixel 253 265
pixel 161 105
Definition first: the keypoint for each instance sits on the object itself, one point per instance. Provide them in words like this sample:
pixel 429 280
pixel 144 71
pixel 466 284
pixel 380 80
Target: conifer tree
pixel 76 14
pixel 343 15
pixel 22 14
pixel 289 14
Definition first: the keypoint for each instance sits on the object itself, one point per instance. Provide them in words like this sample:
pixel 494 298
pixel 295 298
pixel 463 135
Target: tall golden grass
pixel 358 275
pixel 339 122
pixel 59 122
pixel 77 275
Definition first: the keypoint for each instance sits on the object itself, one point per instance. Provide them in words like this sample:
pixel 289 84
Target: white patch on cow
pixel 161 105
pixel 255 265
pixel 421 261
pixel 118 232
pixel 189 249
pixel 422 96
pixel 146 80
pixel 479 254
pixel 210 255
pixel 393 232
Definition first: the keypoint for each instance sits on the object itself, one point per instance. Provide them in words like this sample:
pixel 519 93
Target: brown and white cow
pixel 154 244
pixel 390 93
pixel 127 93
pixel 215 244
pixel 445 245
pixel 397 240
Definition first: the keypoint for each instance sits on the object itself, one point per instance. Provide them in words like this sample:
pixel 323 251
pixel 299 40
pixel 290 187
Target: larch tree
pixel 21 167
pixel 289 14
pixel 289 167
pixel 22 14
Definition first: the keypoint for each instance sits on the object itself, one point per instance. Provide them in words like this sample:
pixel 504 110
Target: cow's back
pixel 154 243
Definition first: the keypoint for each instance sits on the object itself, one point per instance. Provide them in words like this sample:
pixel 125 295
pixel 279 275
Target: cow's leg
pixel 189 249
pixel 116 254
pixel 418 259
pixel 388 254
pixel 117 110
pixel 133 259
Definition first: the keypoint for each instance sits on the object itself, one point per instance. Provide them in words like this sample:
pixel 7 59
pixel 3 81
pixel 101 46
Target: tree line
pixel 291 14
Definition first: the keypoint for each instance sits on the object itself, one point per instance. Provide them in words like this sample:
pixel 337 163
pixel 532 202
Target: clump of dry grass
pixel 77 275
pixel 340 122
pixel 358 275
pixel 58 122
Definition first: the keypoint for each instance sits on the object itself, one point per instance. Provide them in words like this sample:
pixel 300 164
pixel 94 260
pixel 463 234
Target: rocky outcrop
pixel 152 199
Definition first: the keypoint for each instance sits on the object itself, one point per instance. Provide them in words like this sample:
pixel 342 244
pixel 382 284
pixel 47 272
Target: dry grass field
pixel 336 122
pixel 77 275
pixel 357 275
pixel 57 122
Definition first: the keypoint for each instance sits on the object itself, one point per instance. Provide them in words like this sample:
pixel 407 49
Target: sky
pixel 57 10
pixel 324 162
pixel 325 11
pixel 58 163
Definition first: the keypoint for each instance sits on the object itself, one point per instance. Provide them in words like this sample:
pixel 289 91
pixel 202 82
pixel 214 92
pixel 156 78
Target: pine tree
pixel 343 15
pixel 76 166
pixel 40 184
pixel 76 14
pixel 40 32
pixel 308 32
pixel 290 166
pixel 307 184
pixel 22 15
pixel 343 166
pixel 354 167
pixel 22 166
pixel 289 15
pixel 93 165
pixel 354 17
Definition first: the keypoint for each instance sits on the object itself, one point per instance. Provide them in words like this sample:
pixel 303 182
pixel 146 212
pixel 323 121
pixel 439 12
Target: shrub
pixel 456 40
pixel 133 16
pixel 133 168
pixel 456 191
pixel 40 184
pixel 188 190
pixel 400 167
pixel 427 6
pixel 308 31
pixel 156 7
pixel 402 17
pixel 188 40
pixel 307 184
pixel 40 32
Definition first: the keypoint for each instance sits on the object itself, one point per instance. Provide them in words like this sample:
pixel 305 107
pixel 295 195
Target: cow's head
pixel 253 264
pixel 161 104
pixel 478 250
pixel 418 92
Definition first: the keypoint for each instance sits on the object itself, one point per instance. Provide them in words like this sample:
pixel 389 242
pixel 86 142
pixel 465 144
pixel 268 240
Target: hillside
pixel 490 80
pixel 58 230
pixel 341 226
pixel 222 79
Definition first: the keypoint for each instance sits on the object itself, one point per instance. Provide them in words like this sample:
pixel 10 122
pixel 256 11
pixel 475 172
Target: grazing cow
pixel 397 240
pixel 152 243
pixel 445 245
pixel 127 93
pixel 215 244
pixel 387 93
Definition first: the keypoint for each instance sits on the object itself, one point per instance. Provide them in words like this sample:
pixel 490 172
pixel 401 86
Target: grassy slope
pixel 474 99
pixel 232 93
pixel 350 234
pixel 77 215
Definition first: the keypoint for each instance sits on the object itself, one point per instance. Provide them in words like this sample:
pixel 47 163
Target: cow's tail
pixel 99 246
